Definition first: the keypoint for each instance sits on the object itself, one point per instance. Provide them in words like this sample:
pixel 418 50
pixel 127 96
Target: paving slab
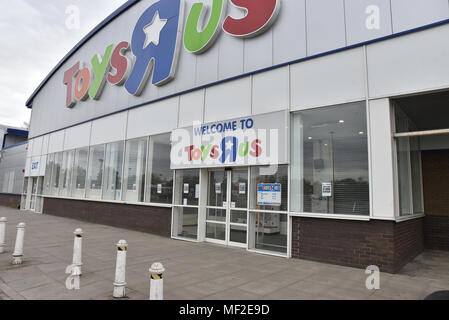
pixel 194 271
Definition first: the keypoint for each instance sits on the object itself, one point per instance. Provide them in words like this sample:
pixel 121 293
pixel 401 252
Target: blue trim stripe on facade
pixel 15 145
pixel 394 35
pixel 17 132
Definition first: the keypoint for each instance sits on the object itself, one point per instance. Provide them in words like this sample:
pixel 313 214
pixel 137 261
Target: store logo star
pixel 229 145
pixel 153 30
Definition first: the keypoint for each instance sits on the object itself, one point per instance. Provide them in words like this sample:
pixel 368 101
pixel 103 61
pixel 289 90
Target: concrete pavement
pixel 194 271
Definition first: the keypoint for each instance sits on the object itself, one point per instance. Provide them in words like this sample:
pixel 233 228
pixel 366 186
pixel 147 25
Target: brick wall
pixel 152 220
pixel 359 244
pixel 435 171
pixel 408 240
pixel 435 167
pixel 9 200
pixel 436 232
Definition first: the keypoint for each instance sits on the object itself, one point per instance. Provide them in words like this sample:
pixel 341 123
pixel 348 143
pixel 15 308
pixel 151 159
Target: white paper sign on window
pixel 186 188
pixel 326 189
pixel 242 188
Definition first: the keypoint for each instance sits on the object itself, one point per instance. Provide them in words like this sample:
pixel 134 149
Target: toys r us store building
pixel 301 128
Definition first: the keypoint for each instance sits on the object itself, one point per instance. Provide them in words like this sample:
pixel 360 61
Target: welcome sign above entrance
pixel 249 141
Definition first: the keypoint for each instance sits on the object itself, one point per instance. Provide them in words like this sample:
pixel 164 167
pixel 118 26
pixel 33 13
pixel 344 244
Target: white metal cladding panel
pixel 37 146
pixel 414 62
pixel 356 18
pixel 382 182
pixel 325 25
pixel 207 66
pixel 13 160
pixel 409 14
pixel 77 137
pixel 45 141
pixel 27 167
pixel 288 46
pixel 258 52
pixel 271 91
pixel 229 100
pixel 30 148
pixel 231 52
pixel 56 143
pixel 228 57
pixel 191 108
pixel 42 165
pixel 153 119
pixel 109 129
pixel 333 79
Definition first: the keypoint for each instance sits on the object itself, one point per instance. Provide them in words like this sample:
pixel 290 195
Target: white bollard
pixel 17 256
pixel 3 221
pixel 77 249
pixel 120 270
pixel 157 281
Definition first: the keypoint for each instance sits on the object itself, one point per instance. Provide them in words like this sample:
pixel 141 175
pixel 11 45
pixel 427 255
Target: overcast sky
pixel 34 36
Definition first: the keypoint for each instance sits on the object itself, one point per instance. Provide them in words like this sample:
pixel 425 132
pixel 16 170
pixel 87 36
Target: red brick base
pixel 10 200
pixel 152 220
pixel 436 232
pixel 386 244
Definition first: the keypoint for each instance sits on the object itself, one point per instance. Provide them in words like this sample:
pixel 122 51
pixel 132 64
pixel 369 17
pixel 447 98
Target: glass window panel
pixel 238 216
pixel 66 173
pixel 329 172
pixel 56 172
pixel 112 179
pixel 24 194
pixel 216 231
pixel 134 173
pixel 273 175
pixel 48 170
pixel 95 172
pixel 269 231
pixel 239 188
pixel 187 189
pixel 217 188
pixel 185 223
pixel 216 215
pixel 160 177
pixel 410 176
pixel 79 172
pixel 237 234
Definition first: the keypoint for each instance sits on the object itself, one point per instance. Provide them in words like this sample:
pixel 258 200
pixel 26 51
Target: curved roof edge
pixel 101 25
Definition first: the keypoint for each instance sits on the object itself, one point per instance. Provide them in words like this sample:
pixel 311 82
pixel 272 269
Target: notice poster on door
pixel 186 188
pixel 197 191
pixel 159 188
pixel 269 194
pixel 242 188
pixel 218 188
pixel 326 189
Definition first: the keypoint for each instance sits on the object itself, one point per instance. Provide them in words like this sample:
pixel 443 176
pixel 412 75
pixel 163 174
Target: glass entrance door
pixel 227 207
pixel 33 194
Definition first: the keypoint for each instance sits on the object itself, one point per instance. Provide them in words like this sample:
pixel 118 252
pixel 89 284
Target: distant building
pixel 13 149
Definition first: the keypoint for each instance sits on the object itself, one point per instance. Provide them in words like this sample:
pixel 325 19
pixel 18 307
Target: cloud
pixel 34 39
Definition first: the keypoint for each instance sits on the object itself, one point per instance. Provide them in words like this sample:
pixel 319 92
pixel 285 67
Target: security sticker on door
pixel 269 194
